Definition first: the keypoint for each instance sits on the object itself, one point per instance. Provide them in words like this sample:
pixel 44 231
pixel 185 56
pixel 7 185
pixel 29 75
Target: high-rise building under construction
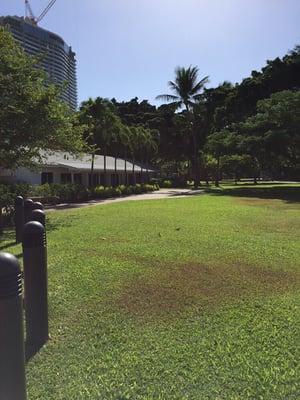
pixel 58 59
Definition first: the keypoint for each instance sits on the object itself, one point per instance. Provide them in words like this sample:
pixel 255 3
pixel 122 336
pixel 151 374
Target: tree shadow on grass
pixel 53 224
pixel 290 194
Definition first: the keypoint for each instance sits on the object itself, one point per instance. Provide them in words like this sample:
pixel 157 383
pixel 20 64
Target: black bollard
pixel 12 362
pixel 19 218
pixel 28 207
pixel 35 282
pixel 37 206
pixel 39 216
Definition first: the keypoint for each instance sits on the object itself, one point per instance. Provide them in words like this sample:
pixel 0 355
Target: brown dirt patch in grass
pixel 171 290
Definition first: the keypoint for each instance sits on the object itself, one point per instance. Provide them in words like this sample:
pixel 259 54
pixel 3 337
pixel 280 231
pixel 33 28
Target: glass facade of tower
pixel 58 59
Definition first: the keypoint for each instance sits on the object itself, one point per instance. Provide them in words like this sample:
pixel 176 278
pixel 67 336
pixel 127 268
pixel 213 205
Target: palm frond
pixel 167 97
pixel 199 86
pixel 173 86
pixel 185 86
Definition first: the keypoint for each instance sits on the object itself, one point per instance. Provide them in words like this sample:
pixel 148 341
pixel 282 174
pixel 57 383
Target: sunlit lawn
pixel 188 298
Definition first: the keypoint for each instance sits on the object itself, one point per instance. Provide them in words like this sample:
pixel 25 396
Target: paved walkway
pixel 158 194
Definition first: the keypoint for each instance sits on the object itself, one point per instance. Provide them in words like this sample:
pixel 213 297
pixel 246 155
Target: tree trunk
pixel 197 173
pixel 126 175
pixel 236 179
pixel 217 181
pixel 115 183
pixel 195 160
pixel 133 171
pixel 92 170
pixel 105 171
pixel 147 169
pixel 142 179
pixel 196 163
pixel 206 177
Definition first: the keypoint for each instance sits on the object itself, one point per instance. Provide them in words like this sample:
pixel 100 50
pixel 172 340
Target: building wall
pixel 59 59
pixel 35 177
pixel 25 175
pixel 6 176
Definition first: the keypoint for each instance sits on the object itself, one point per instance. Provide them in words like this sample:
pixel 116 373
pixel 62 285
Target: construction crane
pixel 31 17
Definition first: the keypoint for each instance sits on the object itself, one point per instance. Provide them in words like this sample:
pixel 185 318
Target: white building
pixel 61 167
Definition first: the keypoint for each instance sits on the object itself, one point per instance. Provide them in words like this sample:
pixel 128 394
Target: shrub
pixel 154 181
pixel 138 189
pixel 6 196
pixel 69 192
pixel 117 191
pixel 108 191
pixel 166 184
pixel 128 190
pixel 21 189
pixel 82 193
pixel 66 193
pixel 41 191
pixel 122 189
pixel 8 193
pixel 98 192
pixel 150 188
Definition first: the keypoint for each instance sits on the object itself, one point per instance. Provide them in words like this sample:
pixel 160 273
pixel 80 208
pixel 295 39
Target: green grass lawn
pixel 187 298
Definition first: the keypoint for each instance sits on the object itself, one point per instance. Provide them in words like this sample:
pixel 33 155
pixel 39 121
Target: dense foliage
pixel 249 129
pixel 105 133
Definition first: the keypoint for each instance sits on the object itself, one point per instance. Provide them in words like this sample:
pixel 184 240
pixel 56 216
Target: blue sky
pixel 128 48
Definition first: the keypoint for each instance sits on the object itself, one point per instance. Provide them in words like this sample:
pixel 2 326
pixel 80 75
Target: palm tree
pixel 141 142
pixel 105 126
pixel 187 88
pixel 125 141
pixel 135 140
pixel 148 147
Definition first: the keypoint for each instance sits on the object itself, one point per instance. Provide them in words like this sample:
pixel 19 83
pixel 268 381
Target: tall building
pixel 59 60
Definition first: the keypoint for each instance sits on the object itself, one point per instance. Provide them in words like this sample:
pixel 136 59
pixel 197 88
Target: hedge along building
pixel 61 167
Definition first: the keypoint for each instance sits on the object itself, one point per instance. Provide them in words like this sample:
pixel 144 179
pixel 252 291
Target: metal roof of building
pixel 83 162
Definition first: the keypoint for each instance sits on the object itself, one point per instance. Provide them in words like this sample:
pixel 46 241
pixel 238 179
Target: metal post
pixel 37 205
pixel 19 218
pixel 28 207
pixel 35 282
pixel 12 362
pixel 39 216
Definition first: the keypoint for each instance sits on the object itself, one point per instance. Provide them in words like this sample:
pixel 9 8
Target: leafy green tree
pixel 218 145
pixel 239 165
pixel 238 102
pixel 141 142
pixel 32 117
pixel 272 135
pixel 135 112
